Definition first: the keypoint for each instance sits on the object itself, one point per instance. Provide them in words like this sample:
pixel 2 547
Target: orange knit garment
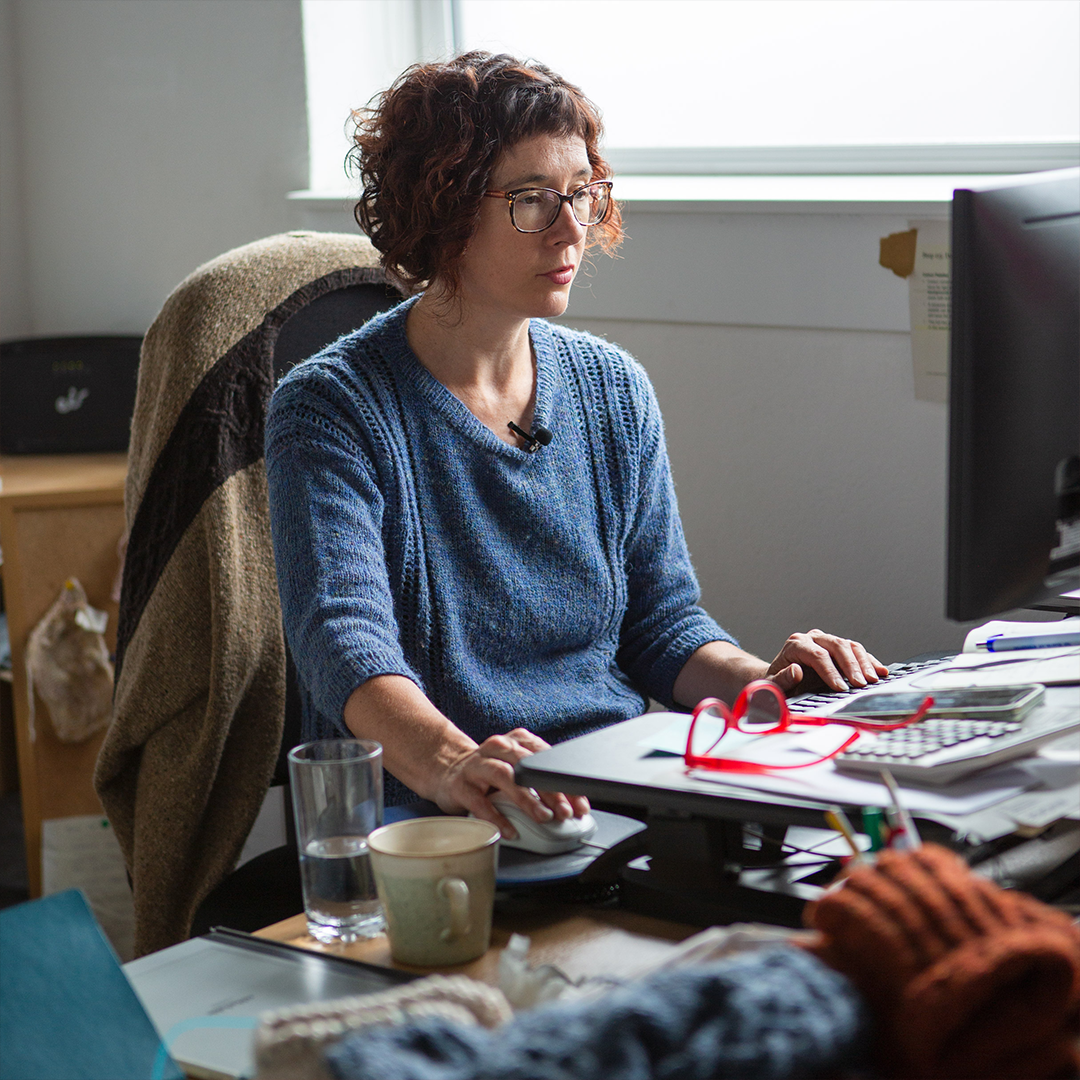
pixel 965 979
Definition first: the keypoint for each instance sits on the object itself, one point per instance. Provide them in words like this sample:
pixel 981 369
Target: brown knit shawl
pixel 200 687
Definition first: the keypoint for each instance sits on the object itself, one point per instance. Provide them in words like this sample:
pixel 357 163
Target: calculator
pixel 940 750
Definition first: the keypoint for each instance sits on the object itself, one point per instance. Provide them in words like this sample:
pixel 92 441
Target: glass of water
pixel 337 793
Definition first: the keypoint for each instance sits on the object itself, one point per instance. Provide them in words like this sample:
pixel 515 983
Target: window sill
pixel 922 195
pixel 768 251
pixel 896 194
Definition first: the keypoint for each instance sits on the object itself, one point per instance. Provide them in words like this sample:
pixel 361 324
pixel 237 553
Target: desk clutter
pixel 913 967
pixel 776 1012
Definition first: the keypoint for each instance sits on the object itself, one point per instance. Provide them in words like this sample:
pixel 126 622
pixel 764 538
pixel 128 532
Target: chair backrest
pixel 201 683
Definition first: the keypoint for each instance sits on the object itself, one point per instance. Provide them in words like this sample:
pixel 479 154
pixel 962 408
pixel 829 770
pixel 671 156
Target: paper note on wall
pixel 928 299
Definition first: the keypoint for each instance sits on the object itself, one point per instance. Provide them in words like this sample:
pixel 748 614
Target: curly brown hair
pixel 426 150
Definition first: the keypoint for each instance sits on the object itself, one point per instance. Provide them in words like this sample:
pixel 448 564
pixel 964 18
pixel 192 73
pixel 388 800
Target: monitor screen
pixel 1014 395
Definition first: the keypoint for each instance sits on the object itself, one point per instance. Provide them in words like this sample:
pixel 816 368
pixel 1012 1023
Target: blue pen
pixel 1041 641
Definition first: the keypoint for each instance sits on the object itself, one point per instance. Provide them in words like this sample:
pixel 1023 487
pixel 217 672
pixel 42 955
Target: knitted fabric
pixel 199 700
pixel 777 1013
pixel 551 591
pixel 290 1042
pixel 965 979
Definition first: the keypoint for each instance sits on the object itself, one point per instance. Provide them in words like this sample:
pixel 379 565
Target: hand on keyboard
pixel 812 695
pixel 837 662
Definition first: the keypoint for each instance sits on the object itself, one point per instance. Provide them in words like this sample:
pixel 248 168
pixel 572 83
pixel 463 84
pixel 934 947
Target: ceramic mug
pixel 436 882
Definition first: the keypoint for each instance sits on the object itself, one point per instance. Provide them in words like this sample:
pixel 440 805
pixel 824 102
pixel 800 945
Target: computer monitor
pixel 1014 395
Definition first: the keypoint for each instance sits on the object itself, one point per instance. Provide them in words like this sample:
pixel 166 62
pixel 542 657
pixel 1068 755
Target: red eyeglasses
pixel 752 715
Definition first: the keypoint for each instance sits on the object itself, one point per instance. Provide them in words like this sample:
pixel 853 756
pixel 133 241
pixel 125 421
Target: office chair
pixel 205 705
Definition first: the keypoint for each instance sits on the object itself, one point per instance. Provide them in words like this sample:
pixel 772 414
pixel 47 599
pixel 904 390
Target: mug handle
pixel 456 893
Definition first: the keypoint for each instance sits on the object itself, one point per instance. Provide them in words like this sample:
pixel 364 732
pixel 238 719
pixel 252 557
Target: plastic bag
pixel 67 663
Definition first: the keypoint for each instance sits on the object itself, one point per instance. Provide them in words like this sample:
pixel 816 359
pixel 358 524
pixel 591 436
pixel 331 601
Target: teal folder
pixel 67 1010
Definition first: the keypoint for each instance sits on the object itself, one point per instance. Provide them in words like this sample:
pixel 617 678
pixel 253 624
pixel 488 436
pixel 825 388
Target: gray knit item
pixel 776 1013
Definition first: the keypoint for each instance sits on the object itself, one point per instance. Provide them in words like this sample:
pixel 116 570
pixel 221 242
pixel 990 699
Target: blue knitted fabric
pixel 774 1014
pixel 551 591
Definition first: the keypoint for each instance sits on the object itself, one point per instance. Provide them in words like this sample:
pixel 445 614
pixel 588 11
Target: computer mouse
pixel 550 838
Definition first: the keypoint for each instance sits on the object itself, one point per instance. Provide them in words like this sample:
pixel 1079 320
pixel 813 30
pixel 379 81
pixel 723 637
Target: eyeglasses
pixel 761 709
pixel 533 210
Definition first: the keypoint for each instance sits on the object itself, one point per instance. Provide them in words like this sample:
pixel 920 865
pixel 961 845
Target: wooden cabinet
pixel 61 516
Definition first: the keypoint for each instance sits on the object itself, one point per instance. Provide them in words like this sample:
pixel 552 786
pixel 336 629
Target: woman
pixel 453 586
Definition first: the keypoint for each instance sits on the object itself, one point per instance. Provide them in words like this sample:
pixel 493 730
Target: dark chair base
pixel 267 889
pixel 263 891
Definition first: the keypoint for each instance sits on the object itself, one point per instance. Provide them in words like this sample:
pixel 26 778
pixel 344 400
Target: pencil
pixel 838 820
pixel 908 835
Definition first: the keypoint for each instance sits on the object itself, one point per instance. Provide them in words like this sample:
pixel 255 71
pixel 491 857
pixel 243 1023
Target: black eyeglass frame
pixel 510 196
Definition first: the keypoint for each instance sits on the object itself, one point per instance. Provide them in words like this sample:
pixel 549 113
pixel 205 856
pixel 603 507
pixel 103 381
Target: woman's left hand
pixel 839 662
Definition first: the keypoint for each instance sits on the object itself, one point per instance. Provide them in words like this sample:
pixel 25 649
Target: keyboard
pixel 826 701
pixel 940 750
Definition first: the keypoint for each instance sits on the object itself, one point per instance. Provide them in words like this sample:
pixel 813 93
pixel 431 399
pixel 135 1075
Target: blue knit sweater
pixel 551 591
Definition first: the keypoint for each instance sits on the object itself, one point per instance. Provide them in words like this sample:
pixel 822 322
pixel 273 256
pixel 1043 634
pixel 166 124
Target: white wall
pixel 811 482
pixel 156 134
pixel 147 136
pixel 14 296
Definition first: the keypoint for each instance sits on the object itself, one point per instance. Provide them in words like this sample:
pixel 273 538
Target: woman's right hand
pixel 469 783
pixel 429 754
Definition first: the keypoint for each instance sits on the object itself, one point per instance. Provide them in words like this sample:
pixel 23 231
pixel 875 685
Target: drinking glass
pixel 337 793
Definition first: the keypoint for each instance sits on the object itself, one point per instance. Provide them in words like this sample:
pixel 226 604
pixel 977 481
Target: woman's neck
pixel 486 363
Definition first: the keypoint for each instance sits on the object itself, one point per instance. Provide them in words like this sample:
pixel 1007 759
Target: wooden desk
pixel 61 516
pixel 578 940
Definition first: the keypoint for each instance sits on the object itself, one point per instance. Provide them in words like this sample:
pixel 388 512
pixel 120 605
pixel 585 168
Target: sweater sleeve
pixel 664 624
pixel 326 514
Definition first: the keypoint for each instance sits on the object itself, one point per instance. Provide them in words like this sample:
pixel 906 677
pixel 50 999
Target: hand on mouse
pixel 470 781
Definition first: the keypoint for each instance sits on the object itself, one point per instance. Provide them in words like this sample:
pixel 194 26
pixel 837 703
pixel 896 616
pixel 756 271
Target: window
pixel 755 86
pixel 352 50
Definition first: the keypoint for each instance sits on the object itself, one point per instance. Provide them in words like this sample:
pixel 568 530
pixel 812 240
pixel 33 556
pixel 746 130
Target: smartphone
pixel 974 703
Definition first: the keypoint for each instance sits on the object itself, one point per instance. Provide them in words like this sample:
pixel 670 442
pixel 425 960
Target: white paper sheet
pixel 771 749
pixel 928 301
pixel 1001 628
pixel 823 783
pixel 1038 808
pixel 1067 748
pixel 671 739
pixel 83 853
pixel 1051 667
pixel 1029 809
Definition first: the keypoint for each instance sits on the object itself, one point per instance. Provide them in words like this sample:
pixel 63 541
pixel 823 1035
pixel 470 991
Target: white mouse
pixel 548 838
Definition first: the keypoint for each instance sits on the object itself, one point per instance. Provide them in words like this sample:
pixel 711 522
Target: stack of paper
pixel 1029 792
pixel 1001 636
pixel 1001 653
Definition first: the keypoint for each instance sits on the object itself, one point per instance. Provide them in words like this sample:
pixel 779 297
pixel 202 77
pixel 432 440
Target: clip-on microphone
pixel 540 437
